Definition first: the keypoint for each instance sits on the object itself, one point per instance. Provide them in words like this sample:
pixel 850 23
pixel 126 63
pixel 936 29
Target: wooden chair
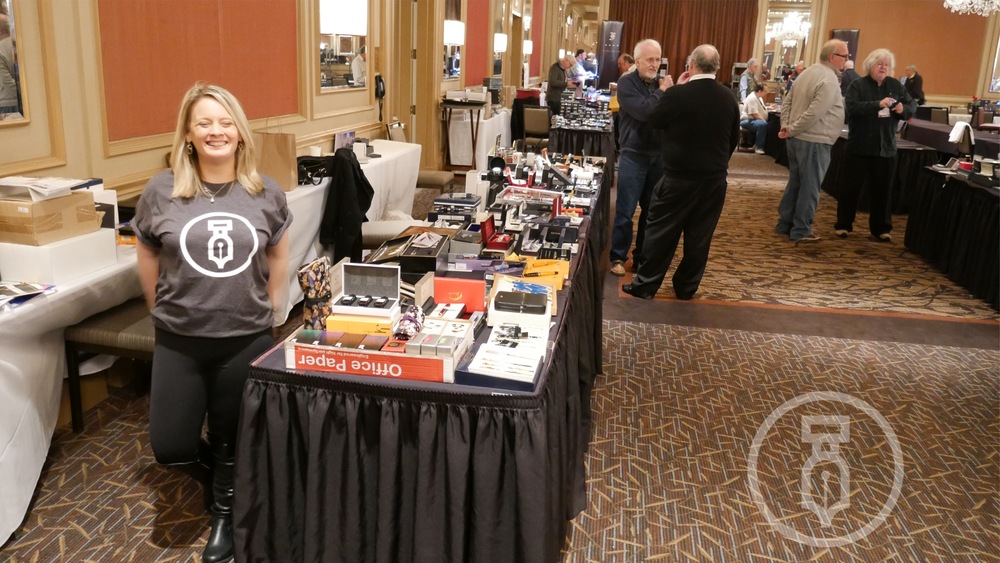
pixel 435 179
pixel 125 331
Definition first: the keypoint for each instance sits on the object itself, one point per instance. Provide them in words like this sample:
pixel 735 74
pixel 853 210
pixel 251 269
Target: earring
pixel 190 148
pixel 239 146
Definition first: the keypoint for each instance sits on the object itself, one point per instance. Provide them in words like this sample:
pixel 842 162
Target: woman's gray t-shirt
pixel 212 256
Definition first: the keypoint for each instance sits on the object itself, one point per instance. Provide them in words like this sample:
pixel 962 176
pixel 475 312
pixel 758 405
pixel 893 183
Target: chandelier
pixel 791 29
pixel 980 7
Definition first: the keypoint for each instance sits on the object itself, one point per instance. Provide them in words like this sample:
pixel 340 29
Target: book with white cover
pixel 37 189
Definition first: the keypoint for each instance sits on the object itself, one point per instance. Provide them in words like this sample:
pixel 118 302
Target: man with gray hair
pixel 812 116
pixel 700 120
pixel 640 166
pixel 748 80
pixel 849 75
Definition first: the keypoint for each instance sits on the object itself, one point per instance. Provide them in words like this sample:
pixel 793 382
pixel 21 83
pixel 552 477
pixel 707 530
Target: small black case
pixel 520 302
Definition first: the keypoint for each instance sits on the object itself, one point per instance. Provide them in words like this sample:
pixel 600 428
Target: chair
pixel 939 115
pixel 435 179
pixel 747 140
pixel 537 121
pixel 981 116
pixel 125 330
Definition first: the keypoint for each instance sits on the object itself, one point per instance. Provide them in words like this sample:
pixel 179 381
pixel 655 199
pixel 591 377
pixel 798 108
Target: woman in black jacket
pixel 875 104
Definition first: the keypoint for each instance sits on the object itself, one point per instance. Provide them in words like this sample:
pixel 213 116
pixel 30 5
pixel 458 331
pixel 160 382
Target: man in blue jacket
pixel 641 164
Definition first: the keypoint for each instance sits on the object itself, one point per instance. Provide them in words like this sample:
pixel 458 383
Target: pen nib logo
pixel 220 246
pixel 827 501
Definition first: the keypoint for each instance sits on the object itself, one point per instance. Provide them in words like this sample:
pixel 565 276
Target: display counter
pixel 955 225
pixel 347 468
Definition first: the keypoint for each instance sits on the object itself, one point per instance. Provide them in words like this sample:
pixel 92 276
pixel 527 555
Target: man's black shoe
pixel 634 292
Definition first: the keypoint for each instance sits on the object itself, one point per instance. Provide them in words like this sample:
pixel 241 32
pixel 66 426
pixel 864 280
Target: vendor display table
pixel 955 225
pixel 930 134
pixel 910 159
pixel 588 142
pixel 346 468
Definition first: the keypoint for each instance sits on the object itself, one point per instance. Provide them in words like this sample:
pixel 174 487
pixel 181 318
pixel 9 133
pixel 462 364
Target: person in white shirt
pixel 359 67
pixel 756 117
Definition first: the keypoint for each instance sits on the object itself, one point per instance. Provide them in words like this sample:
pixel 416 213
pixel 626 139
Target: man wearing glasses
pixel 812 116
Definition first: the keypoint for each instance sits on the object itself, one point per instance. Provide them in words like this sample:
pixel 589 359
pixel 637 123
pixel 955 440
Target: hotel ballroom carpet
pixel 700 404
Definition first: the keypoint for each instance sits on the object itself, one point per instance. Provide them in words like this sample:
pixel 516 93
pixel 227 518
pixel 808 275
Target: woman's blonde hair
pixel 187 179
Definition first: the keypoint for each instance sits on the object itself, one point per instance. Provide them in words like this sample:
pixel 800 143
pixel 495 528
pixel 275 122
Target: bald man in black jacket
pixel 700 119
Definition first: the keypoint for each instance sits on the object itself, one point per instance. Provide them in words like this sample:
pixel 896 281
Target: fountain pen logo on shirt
pixel 219 244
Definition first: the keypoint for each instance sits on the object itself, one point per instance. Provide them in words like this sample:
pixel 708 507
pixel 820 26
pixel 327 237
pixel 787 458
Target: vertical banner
pixel 608 51
pixel 849 36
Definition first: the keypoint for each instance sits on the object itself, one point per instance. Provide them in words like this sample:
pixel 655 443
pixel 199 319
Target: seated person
pixel 756 117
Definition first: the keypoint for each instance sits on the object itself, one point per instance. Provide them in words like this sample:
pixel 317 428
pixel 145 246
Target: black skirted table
pixel 347 468
pixel 775 146
pixel 910 159
pixel 955 225
pixel 590 142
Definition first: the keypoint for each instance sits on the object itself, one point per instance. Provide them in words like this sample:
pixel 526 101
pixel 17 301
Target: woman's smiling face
pixel 212 131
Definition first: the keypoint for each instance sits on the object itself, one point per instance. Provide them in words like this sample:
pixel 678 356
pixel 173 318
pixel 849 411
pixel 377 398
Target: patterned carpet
pixel 678 408
pixel 749 264
pixel 675 414
pixel 674 417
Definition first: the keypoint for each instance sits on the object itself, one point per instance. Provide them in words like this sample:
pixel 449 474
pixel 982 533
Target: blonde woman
pixel 213 262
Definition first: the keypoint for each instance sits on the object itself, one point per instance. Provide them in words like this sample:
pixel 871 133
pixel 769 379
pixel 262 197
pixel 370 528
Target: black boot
pixel 219 547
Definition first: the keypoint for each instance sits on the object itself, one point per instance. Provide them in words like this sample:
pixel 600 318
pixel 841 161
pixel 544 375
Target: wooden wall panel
pixel 944 45
pixel 478 38
pixel 154 50
pixel 537 25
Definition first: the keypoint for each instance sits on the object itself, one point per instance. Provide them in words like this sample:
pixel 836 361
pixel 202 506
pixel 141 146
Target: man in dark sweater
pixel 701 124
pixel 558 83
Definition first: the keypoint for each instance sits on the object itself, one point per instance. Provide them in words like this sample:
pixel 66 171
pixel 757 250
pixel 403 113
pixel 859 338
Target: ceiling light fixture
pixel 983 8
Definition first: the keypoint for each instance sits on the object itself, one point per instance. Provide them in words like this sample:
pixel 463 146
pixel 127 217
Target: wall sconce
pixel 454 32
pixel 528 47
pixel 562 53
pixel 499 42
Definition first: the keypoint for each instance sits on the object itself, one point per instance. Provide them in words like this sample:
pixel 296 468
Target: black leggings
pixel 192 377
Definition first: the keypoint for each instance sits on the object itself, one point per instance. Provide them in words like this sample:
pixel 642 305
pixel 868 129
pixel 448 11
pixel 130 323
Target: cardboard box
pixel 42 222
pixel 60 261
pixel 472 293
pixel 358 324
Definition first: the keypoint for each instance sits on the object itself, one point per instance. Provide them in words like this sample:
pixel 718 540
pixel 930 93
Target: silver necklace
pixel 211 195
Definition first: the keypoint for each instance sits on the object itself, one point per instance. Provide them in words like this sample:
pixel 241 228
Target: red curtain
pixel 682 25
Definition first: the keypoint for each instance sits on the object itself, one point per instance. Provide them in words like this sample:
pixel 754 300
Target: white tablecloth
pixel 460 137
pixel 954 118
pixel 394 179
pixel 32 368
